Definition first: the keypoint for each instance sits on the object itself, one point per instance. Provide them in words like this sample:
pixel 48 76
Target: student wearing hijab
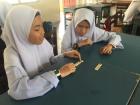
pixel 82 31
pixel 132 10
pixel 27 54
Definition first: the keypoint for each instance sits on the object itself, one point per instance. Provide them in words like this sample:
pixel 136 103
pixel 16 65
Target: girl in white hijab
pixel 82 31
pixel 26 54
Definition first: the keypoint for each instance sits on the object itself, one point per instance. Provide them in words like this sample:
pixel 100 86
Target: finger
pixel 77 54
pixel 73 69
pixel 72 65
pixel 110 51
pixel 80 57
pixel 107 52
pixel 104 50
pixel 101 50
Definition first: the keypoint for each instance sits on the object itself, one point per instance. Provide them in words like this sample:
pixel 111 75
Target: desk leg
pixel 133 92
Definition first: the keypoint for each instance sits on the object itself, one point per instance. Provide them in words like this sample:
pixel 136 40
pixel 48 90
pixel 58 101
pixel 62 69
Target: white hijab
pixel 19 52
pixel 80 15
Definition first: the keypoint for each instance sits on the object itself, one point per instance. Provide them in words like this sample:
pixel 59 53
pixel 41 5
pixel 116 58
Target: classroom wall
pixel 124 0
pixel 50 9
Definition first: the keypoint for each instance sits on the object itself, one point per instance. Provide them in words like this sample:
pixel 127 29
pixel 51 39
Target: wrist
pixel 110 45
pixel 75 46
pixel 65 54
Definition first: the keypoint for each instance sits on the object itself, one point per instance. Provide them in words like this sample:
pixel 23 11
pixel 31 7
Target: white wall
pixel 50 9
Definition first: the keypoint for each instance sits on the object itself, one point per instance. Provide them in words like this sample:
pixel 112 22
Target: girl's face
pixel 36 35
pixel 82 28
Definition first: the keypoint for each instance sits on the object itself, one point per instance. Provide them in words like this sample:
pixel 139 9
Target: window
pixel 20 1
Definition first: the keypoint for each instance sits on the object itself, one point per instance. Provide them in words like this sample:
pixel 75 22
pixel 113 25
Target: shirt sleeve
pixel 110 37
pixel 56 59
pixel 21 86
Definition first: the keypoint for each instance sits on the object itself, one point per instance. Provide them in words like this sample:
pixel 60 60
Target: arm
pixel 111 37
pixel 21 86
pixel 56 59
pixel 70 54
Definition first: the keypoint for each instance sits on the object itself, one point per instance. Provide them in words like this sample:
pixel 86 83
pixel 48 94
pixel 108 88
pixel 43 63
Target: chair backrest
pixel 48 27
pixel 114 20
pixel 51 35
pixel 109 22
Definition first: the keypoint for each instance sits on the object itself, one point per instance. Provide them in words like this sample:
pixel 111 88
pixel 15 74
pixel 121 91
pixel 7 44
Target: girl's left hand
pixel 107 50
pixel 85 42
pixel 73 54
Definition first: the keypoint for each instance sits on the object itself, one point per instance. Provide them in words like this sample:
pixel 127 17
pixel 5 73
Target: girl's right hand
pixel 67 69
pixel 73 54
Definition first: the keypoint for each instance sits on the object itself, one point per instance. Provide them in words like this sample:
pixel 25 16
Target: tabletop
pixel 112 84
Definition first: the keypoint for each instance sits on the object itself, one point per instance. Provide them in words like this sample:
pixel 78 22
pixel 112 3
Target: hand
pixel 85 42
pixel 67 69
pixel 73 54
pixel 107 50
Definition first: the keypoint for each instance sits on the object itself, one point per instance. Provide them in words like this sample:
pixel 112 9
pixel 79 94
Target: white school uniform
pixel 95 33
pixel 23 61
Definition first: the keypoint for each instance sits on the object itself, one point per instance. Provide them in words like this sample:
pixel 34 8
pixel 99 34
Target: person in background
pixel 132 10
pixel 28 54
pixel 82 32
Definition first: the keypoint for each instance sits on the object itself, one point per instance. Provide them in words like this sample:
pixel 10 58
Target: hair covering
pixel 94 33
pixel 18 49
pixel 84 14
